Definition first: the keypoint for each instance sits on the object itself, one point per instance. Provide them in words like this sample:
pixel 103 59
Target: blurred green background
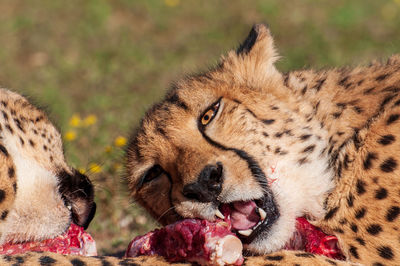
pixel 97 65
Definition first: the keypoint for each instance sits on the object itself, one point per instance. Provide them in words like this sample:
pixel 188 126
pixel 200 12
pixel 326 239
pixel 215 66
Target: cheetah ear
pixel 253 62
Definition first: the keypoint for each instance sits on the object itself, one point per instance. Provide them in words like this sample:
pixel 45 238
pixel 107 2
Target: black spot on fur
pixel 5 115
pixel 381 193
pixel 360 187
pixel 386 140
pixel 2 195
pixel 275 258
pixel 392 213
pixel 4 215
pixel 77 262
pixel 31 143
pixel 360 241
pixel 353 251
pixel 15 187
pixel 378 264
pixel 338 230
pixel 331 262
pixel 20 260
pixel 382 77
pixel 374 229
pixel 343 81
pixel 127 262
pixel 360 213
pixel 319 84
pixel 368 91
pixel 385 252
pixel 354 228
pixel 302 161
pixel 350 200
pixel 11 172
pixel 392 118
pixel 309 149
pixel 304 90
pixel 337 115
pixel 9 128
pixel 4 150
pixel 368 160
pixel 389 165
pixel 268 121
pixel 304 255
pixel 331 213
pixel 341 105
pixel 46 260
pixel 358 109
pixel 7 258
pixel 22 141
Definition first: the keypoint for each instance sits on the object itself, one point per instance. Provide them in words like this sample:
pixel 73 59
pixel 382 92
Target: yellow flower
pixel 75 121
pixel 70 135
pixel 171 3
pixel 95 168
pixel 90 120
pixel 108 149
pixel 81 170
pixel 120 141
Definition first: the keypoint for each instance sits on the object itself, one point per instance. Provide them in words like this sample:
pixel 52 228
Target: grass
pixel 110 60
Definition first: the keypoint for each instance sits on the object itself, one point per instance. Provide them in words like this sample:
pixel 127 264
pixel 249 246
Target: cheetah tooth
pixel 219 214
pixel 262 213
pixel 245 232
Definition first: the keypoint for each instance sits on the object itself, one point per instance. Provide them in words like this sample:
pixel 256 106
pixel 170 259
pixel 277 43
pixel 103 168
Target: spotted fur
pixel 323 144
pixel 40 195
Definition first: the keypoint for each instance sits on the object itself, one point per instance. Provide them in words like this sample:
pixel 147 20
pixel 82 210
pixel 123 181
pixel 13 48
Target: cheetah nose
pixel 208 185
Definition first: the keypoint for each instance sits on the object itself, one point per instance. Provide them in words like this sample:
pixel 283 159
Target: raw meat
pixel 311 239
pixel 191 240
pixel 74 242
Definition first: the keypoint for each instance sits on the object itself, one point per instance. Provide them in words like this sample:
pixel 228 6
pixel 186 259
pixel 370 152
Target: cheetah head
pixel 232 141
pixel 42 193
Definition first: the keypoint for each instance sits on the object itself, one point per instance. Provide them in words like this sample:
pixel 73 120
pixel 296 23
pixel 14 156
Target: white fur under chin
pixel 298 191
pixel 38 212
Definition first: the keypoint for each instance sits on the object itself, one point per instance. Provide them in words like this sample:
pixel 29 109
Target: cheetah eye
pixel 210 113
pixel 151 174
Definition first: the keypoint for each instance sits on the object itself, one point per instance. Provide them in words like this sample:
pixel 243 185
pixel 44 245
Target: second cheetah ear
pixel 253 62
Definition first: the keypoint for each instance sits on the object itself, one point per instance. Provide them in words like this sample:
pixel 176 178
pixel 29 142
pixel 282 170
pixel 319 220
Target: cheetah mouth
pixel 250 219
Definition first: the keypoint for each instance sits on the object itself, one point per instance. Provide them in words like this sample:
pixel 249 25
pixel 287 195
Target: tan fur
pixel 37 187
pixel 315 129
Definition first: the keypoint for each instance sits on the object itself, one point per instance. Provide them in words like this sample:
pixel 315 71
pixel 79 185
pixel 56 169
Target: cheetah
pixel 40 194
pixel 317 144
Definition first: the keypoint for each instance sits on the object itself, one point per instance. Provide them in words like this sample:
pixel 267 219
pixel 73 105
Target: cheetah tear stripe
pixel 73 242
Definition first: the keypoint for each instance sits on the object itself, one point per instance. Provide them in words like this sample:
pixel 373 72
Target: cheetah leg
pixel 277 258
